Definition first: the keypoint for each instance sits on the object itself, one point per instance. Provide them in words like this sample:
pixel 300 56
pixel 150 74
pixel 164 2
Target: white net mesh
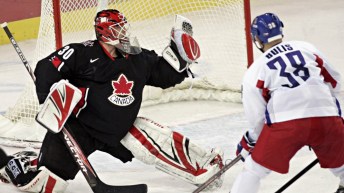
pixel 219 28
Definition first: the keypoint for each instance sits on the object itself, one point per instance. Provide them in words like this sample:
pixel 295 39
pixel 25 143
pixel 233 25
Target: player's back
pixel 295 74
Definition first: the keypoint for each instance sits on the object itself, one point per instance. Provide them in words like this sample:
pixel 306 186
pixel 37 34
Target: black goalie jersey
pixel 112 87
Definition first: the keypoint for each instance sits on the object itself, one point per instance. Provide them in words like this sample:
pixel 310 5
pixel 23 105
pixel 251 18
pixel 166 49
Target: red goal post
pixel 221 28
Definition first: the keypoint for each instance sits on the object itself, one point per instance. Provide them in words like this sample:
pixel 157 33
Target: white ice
pixel 207 123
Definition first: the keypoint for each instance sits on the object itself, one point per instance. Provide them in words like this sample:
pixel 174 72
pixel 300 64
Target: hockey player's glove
pixel 58 106
pixel 183 50
pixel 245 146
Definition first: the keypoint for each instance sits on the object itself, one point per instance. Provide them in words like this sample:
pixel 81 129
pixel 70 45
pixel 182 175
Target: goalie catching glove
pixel 183 49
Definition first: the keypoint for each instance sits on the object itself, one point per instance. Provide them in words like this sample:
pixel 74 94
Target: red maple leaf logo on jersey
pixel 122 86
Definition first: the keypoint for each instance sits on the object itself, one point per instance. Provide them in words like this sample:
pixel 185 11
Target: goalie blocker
pixel 58 106
pixel 183 49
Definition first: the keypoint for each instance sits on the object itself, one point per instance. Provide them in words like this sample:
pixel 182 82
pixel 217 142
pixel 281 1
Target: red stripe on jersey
pixel 265 91
pixel 260 84
pixel 157 152
pixel 56 61
pixel 327 76
pixel 50 185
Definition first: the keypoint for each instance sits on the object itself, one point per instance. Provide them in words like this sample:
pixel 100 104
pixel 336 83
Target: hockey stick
pixel 79 157
pixel 217 175
pixel 297 176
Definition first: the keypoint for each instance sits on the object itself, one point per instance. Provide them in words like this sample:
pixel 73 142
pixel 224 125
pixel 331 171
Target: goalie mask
pixel 112 28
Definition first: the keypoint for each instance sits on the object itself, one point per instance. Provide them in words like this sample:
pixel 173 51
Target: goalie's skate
pixel 28 155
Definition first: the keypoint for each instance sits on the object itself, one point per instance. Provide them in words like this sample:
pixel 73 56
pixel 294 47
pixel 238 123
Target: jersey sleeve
pixel 162 74
pixel 331 76
pixel 254 98
pixel 53 68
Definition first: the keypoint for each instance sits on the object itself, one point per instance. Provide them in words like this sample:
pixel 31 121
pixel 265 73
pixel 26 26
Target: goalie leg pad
pixel 146 139
pixel 45 182
pixel 171 152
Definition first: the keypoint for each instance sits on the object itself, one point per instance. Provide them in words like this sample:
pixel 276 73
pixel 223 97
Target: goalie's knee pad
pixel 45 182
pixel 171 152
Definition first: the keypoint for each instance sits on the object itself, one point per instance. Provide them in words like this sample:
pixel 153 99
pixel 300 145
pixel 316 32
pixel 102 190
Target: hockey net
pixel 219 28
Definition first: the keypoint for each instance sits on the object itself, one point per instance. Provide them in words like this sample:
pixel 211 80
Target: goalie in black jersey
pixel 102 83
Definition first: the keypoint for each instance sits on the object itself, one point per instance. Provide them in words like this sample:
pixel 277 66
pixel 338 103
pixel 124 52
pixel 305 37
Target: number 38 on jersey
pixel 291 67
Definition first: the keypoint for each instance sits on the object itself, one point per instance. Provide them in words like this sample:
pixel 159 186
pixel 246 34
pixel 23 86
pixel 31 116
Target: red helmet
pixel 111 26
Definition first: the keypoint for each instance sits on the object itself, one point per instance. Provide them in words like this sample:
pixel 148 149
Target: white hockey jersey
pixel 291 80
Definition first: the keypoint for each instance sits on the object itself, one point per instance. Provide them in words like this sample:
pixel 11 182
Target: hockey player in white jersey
pixel 290 100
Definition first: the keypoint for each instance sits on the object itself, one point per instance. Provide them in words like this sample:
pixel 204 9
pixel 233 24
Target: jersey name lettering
pixel 121 101
pixel 278 49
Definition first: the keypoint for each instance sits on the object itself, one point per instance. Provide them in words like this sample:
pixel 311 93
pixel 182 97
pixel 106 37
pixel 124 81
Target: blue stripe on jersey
pixel 267 117
pixel 338 106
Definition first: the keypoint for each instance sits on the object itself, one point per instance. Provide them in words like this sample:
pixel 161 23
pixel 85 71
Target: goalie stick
pixel 217 175
pixel 80 159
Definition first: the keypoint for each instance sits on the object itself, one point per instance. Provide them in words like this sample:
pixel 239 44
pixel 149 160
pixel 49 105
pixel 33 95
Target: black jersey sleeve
pixel 162 74
pixel 58 65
